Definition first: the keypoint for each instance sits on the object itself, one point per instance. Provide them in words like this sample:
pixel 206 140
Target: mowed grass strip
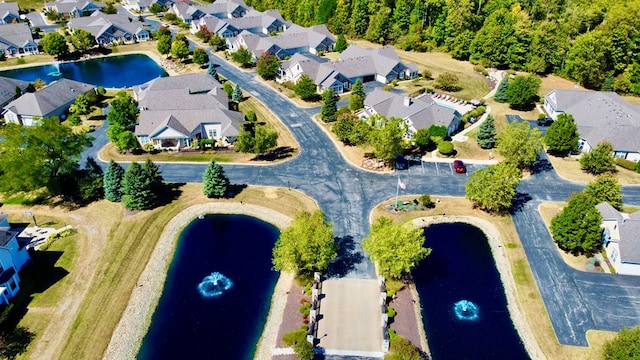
pixel 529 298
pixel 130 244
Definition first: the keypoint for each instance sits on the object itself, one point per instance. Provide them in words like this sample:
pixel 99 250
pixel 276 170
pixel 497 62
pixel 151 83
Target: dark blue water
pixel 187 325
pixel 110 72
pixel 461 267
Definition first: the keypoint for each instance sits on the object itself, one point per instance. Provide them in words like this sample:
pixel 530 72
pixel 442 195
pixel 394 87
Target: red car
pixel 459 166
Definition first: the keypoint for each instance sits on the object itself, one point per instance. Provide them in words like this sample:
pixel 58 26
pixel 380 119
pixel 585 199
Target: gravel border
pixel 502 264
pixel 136 319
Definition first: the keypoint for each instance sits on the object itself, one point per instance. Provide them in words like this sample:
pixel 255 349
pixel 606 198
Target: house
pixel 13 256
pixel 110 28
pixel 8 90
pixel 16 39
pixel 177 110
pixel 52 100
pixel 295 39
pixel 599 116
pixel 255 22
pixel 355 63
pixel 621 239
pixel 417 113
pixel 223 9
pixel 74 8
pixel 144 5
pixel 9 13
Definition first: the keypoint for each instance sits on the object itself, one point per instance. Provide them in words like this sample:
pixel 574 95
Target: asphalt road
pixel 576 301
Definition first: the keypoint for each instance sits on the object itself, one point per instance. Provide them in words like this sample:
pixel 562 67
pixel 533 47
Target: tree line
pixel 592 42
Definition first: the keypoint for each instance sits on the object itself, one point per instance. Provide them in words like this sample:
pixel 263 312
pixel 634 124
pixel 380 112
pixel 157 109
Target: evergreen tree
pixel 329 111
pixel 487 134
pixel 357 96
pixel 164 44
pixel 341 43
pixel 154 179
pixel 236 95
pixel 215 181
pixel 113 182
pixel 136 192
pixel 501 92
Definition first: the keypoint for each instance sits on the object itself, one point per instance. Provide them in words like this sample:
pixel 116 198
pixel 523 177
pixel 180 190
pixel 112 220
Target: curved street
pixel 576 301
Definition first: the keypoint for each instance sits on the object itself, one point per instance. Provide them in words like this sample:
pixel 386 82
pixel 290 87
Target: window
pixel 12 285
pixel 213 133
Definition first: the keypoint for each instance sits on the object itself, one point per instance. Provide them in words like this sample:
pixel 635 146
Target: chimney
pixel 407 101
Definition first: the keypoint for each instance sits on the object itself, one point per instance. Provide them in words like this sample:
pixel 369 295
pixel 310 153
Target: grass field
pixel 569 168
pixel 528 295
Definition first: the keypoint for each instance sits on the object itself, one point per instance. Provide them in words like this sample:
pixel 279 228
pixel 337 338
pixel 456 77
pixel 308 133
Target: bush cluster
pixel 627 164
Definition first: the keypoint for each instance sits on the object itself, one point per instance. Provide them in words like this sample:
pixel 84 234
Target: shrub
pixel 427 74
pixel 305 309
pixel 446 148
pixel 402 349
pixel 627 164
pixel 638 167
pixel 425 199
pixel 393 286
pixel 74 119
pixel 304 350
pixel 391 312
pixel 296 336
pixel 21 60
pixel 207 143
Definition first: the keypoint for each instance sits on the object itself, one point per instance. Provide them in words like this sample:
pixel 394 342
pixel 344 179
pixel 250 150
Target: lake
pixel 218 290
pixel 464 307
pixel 111 72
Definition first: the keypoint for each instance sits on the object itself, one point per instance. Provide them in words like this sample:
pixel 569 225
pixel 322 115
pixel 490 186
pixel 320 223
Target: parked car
pixel 545 121
pixel 401 162
pixel 459 166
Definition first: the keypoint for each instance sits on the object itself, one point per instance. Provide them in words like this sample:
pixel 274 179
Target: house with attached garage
pixel 16 39
pixel 110 28
pixel 255 22
pixel 9 89
pixel 222 9
pixel 13 256
pixel 144 5
pixel 621 239
pixel 417 113
pixel 176 110
pixel 9 12
pixel 52 100
pixel 74 8
pixel 600 116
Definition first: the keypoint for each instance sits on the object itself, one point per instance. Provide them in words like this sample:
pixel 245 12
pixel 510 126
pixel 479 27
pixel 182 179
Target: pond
pixel 464 307
pixel 218 290
pixel 111 72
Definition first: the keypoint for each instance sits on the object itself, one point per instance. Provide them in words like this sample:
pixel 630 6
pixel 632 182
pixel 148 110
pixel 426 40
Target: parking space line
pixel 451 168
pixel 437 168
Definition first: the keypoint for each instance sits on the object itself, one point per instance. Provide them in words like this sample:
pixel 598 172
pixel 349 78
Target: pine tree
pixel 237 94
pixel 136 194
pixel 215 181
pixel 356 99
pixel 113 182
pixel 154 180
pixel 501 92
pixel 487 134
pixel 329 111
pixel 341 43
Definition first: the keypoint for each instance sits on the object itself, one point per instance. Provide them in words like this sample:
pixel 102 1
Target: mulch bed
pixel 405 322
pixel 292 318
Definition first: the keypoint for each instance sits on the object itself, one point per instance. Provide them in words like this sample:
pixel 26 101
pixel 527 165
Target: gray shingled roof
pixel 629 230
pixel 601 116
pixel 224 7
pixel 16 34
pixel 608 212
pixel 47 100
pixel 66 6
pixel 422 111
pixel 99 22
pixel 9 8
pixel 188 120
pixel 8 88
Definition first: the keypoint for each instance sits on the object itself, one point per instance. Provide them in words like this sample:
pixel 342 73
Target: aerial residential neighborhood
pixel 315 180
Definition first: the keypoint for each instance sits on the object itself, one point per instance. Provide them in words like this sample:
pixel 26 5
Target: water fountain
pixel 56 72
pixel 466 310
pixel 214 285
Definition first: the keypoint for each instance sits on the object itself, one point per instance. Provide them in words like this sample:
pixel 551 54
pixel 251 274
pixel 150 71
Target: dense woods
pixel 595 43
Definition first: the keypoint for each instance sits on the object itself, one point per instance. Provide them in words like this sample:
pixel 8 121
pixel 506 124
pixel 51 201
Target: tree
pixel 523 92
pixel 305 246
pixel 396 249
pixel 200 56
pixel 256 138
pixel 493 188
pixel 599 160
pixel 562 136
pixel 519 144
pixel 156 8
pixel 587 61
pixel 387 137
pixel 81 106
pixel 626 345
pixel 306 88
pixel 82 40
pixel 341 44
pixel 54 44
pixel 605 188
pixel 228 89
pixel 487 134
pixel 236 95
pixel 501 92
pixel 217 42
pixel 448 81
pixel 422 139
pixel 267 65
pixel 136 189
pixel 577 228
pixel 215 182
pixel 179 50
pixel 34 157
pixel 243 56
pixel 110 9
pixel 164 44
pixel 14 342
pixel 53 16
pixel 123 110
pixel 154 179
pixel 343 128
pixel 126 141
pixel 329 111
pixel 112 181
pixel 357 96
pixel 90 182
pixel 38 84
